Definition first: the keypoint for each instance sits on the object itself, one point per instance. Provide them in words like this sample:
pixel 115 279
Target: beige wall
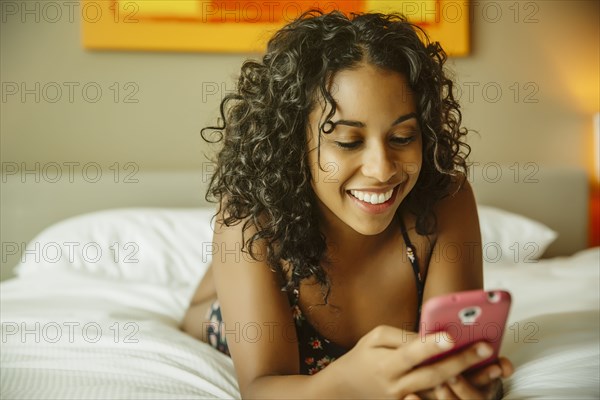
pixel 542 55
pixel 553 61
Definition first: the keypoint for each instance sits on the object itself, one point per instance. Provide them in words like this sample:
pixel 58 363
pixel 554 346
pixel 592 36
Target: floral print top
pixel 316 351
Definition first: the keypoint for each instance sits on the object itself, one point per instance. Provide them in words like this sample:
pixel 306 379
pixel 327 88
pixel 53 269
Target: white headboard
pixel 556 197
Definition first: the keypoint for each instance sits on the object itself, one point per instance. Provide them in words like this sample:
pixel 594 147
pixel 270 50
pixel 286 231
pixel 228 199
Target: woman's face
pixel 372 158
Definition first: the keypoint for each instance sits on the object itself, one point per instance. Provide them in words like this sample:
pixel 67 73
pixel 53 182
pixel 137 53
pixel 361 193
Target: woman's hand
pixel 480 384
pixel 385 364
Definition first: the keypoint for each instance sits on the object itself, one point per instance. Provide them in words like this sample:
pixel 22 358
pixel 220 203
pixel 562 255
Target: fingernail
pixel 484 350
pixel 495 373
pixel 443 342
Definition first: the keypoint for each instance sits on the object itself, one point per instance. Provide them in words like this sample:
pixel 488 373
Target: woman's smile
pixel 373 203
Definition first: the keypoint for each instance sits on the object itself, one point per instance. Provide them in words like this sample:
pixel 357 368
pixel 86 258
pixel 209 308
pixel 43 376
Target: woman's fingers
pixel 405 369
pixel 507 368
pixel 451 366
pixel 417 351
pixel 503 368
pixel 443 391
pixel 485 375
pixel 462 389
pixel 389 337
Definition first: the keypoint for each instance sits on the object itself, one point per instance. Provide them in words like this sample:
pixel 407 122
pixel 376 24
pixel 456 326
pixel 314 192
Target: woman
pixel 343 206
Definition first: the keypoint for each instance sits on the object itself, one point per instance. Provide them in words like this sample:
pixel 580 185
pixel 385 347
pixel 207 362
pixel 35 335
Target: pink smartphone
pixel 465 318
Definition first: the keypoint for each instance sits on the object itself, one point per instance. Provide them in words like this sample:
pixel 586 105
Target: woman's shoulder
pixel 457 222
pixel 456 262
pixel 447 213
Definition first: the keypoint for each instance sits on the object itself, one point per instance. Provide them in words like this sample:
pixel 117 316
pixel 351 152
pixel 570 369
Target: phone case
pixel 466 318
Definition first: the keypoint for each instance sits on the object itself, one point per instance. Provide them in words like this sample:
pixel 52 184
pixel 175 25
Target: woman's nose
pixel 378 164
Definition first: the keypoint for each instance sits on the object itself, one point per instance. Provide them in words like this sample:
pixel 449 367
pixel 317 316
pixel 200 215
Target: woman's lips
pixel 375 208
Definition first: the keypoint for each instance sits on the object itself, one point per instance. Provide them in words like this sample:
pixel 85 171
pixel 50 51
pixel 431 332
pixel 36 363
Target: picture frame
pixel 242 26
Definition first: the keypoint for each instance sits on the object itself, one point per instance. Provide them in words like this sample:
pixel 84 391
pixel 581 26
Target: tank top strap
pixel 411 254
pixel 296 311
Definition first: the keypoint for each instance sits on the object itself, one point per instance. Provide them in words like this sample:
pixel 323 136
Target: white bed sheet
pixel 52 348
pixel 86 337
pixel 553 333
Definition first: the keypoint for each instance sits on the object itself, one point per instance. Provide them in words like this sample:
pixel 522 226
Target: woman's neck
pixel 344 243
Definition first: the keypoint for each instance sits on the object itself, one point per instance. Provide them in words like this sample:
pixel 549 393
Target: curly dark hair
pixel 262 169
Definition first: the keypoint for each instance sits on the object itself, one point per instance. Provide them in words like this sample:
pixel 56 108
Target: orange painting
pixel 246 25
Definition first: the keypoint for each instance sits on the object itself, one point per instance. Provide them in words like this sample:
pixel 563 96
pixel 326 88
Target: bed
pixel 95 307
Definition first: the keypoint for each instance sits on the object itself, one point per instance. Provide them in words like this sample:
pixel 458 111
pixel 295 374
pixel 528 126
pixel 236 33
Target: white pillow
pixel 164 246
pixel 168 246
pixel 512 237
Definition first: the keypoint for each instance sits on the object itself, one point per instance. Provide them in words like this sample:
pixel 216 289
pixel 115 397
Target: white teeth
pixel 372 198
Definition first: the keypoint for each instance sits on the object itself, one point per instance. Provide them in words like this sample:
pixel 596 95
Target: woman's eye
pixel 404 140
pixel 398 140
pixel 347 145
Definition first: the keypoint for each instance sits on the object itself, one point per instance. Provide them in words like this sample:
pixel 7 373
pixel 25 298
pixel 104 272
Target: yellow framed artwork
pixel 246 25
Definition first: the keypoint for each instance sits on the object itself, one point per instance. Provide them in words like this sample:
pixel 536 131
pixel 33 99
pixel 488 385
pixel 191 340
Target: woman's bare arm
pixel 456 263
pixel 258 322
pixel 205 294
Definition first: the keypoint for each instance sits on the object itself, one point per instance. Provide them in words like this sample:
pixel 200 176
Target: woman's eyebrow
pixel 358 124
pixel 403 118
